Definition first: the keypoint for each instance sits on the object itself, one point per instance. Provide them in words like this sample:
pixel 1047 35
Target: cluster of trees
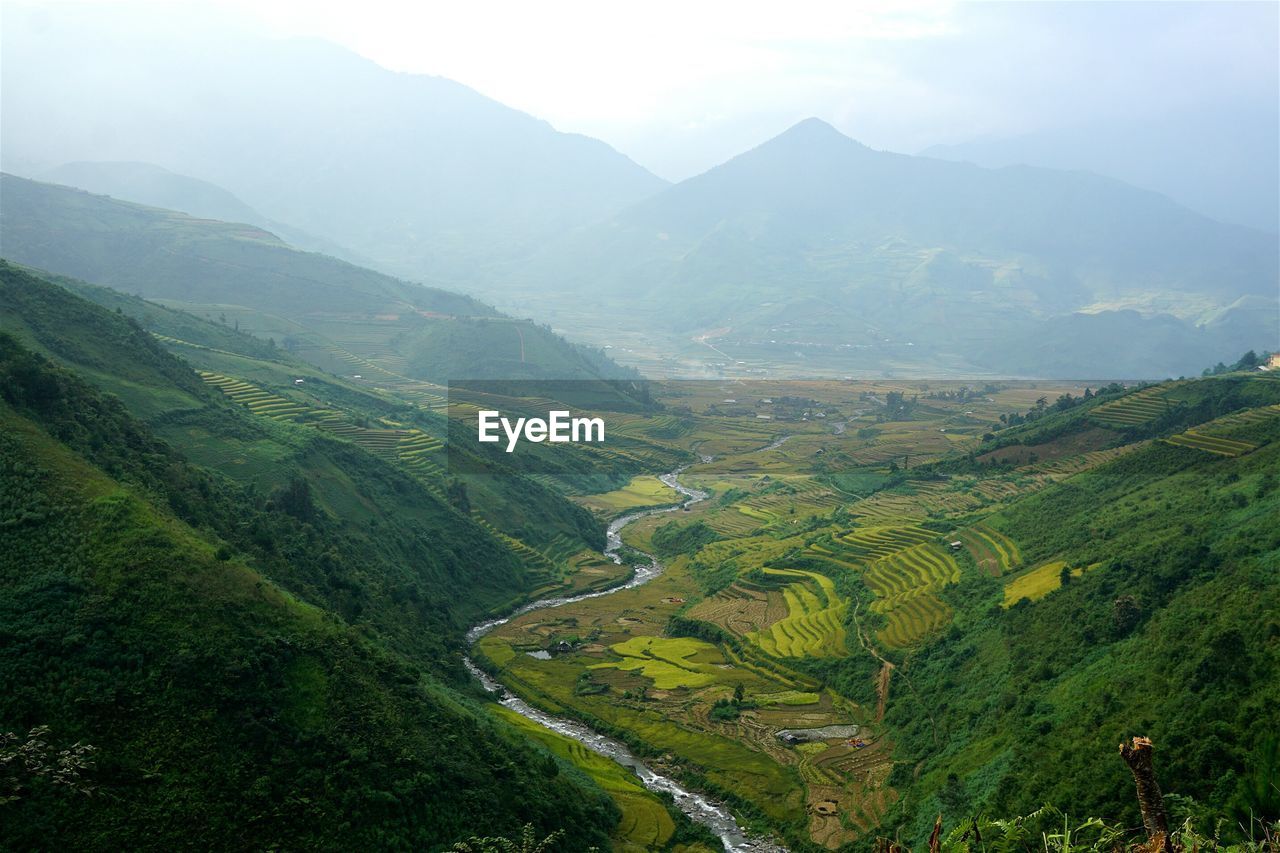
pixel 1249 361
pixel 675 538
pixel 964 394
pixel 1065 402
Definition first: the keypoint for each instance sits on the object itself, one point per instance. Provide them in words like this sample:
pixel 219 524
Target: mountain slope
pixel 407 548
pixel 815 240
pixel 1168 627
pixel 422 174
pixel 224 711
pixel 1221 163
pixel 146 183
pixel 332 312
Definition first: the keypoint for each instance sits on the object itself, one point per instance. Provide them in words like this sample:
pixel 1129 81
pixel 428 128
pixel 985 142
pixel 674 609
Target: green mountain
pixel 146 183
pixel 261 648
pixel 343 317
pixel 282 409
pixel 815 250
pixel 421 173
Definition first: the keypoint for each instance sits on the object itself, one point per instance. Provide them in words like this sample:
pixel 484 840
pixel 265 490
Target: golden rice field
pixel 877 542
pixel 645 824
pixel 1036 583
pixel 814 624
pixel 644 490
pixel 1070 465
pixel 255 399
pixel 791 502
pixel 407 445
pixel 667 661
pixel 905 584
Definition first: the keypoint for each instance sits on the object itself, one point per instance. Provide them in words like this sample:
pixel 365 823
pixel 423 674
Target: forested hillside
pixel 224 709
pixel 1165 564
pixel 370 467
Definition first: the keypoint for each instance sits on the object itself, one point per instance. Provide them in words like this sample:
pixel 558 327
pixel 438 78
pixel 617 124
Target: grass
pixel 645 824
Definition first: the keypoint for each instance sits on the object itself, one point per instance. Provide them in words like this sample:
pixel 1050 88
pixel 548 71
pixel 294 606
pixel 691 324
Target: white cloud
pixel 682 85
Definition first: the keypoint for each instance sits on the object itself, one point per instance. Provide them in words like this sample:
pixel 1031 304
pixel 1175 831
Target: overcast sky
pixel 680 86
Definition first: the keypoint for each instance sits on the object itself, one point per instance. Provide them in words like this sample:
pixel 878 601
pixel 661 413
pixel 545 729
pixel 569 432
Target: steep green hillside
pixel 818 253
pixel 391 518
pixel 225 711
pixel 339 316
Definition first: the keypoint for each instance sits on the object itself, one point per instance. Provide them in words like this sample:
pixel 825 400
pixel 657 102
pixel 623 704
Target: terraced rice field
pixel 792 503
pixel 740 610
pixel 875 543
pixel 730 522
pixel 1038 582
pixel 1068 466
pixel 1035 583
pixel 340 359
pixel 995 553
pixel 255 399
pixel 889 506
pixel 410 447
pixel 413 451
pixel 904 584
pixel 1133 410
pixel 1248 416
pixel 814 624
pixel 1211 444
pixel 543 572
pixel 748 552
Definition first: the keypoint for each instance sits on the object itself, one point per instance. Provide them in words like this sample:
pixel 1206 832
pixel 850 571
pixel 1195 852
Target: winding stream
pixel 699 808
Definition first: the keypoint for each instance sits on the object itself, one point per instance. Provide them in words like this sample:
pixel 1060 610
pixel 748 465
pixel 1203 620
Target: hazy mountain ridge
pixel 155 186
pixel 215 268
pixel 1218 164
pixel 421 173
pixel 945 256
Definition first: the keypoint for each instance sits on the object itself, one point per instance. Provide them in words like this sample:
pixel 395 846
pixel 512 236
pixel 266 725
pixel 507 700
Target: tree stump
pixel 1150 800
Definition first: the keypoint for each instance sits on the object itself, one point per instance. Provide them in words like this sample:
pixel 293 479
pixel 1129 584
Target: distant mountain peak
pixel 814 126
pixel 813 134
